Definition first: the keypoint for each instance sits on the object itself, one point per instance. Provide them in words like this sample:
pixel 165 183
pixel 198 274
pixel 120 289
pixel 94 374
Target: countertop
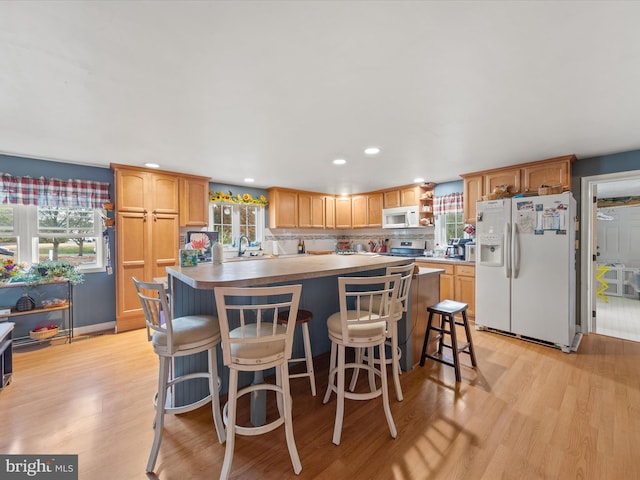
pixel 263 272
pixel 451 261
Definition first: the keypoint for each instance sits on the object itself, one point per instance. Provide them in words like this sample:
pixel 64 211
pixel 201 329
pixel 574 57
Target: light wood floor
pixel 618 317
pixel 527 412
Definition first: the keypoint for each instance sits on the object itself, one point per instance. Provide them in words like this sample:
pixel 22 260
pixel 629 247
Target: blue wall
pixel 94 299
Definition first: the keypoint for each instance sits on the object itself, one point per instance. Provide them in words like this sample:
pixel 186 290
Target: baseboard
pixel 97 328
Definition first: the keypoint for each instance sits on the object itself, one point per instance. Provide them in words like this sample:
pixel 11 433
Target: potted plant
pixel 48 270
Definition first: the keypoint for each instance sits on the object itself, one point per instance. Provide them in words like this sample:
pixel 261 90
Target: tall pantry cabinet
pixel 147 233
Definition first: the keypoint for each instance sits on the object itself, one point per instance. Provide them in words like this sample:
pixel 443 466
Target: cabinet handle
pixel 144 215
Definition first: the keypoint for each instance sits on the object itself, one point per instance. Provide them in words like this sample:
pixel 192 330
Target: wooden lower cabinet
pixel 457 282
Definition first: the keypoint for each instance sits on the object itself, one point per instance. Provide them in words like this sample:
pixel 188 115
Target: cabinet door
pixel 374 210
pixel 465 291
pixel 359 211
pixel 317 211
pixel 392 199
pixel 164 243
pixel 194 202
pixel 132 241
pixel 507 176
pixel 305 207
pixel 447 287
pixel 547 174
pixel 283 208
pixel 329 212
pixel 343 212
pixel 164 195
pixel 473 191
pixel 130 190
pixel 410 196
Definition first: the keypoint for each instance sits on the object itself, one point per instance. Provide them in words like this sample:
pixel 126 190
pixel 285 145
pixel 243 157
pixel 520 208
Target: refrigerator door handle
pixel 515 248
pixel 507 250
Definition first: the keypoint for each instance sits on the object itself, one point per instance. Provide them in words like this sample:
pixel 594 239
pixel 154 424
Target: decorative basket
pixel 25 303
pixel 549 189
pixel 44 334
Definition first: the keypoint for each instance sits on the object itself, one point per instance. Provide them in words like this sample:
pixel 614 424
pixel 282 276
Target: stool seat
pixel 447 309
pixel 303 316
pixel 448 306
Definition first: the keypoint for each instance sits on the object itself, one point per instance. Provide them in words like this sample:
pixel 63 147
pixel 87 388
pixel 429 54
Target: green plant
pixel 51 270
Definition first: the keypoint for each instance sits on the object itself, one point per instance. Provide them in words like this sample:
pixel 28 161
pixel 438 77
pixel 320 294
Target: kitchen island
pixel 192 292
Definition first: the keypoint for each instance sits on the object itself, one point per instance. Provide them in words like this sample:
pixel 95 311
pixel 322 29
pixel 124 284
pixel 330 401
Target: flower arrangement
pixel 244 199
pixel 10 270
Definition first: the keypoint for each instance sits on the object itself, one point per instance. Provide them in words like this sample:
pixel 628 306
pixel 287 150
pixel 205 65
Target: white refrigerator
pixel 526 268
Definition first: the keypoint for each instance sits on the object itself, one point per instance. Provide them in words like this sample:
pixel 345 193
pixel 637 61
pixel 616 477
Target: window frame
pixel 235 222
pixel 27 235
pixel 441 227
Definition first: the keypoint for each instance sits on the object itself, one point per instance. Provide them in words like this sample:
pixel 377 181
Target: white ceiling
pixel 277 90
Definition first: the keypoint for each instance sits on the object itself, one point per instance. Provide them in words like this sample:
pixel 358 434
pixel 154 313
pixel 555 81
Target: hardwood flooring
pixel 526 412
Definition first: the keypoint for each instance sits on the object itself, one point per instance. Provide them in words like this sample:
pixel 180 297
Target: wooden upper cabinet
pixel 329 211
pixel 392 199
pixel 359 211
pixel 130 189
pixel 506 176
pixel 473 191
pixel 283 208
pixel 310 210
pixel 343 212
pixel 194 201
pixel 165 197
pixel 409 196
pixel 552 173
pixel 374 208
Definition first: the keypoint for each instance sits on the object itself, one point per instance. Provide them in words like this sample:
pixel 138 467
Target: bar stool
pixel 253 340
pixel 358 326
pixel 302 318
pixel 447 309
pixel 175 337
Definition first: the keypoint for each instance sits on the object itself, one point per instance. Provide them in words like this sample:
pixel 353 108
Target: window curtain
pixel 53 192
pixel 450 203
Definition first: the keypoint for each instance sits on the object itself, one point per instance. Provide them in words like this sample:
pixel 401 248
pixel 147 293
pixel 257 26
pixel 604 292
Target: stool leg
pixel 231 423
pixel 354 376
pixel 215 394
pixel 385 392
pixel 426 340
pixel 288 417
pixel 337 428
pixel 441 338
pixel 332 373
pixel 454 345
pixel 309 357
pixel 395 361
pixel 467 330
pixel 158 424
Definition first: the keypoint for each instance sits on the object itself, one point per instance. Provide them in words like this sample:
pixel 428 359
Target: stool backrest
pixel 157 313
pixel 367 300
pixel 406 274
pixel 249 318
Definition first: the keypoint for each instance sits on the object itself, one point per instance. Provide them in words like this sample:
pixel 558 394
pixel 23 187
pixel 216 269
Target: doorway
pixel 610 260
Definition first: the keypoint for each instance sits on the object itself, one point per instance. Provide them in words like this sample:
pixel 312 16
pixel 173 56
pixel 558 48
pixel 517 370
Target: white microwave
pixel 400 217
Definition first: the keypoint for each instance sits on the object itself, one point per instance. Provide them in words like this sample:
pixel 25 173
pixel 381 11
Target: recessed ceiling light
pixel 249 180
pixel 339 161
pixel 152 165
pixel 372 150
pixel 418 180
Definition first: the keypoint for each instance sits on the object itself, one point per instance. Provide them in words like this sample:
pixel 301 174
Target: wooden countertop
pixel 267 271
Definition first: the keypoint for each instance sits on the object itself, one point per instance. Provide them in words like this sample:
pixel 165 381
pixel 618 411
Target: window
pixel 40 233
pixel 449 225
pixel 231 221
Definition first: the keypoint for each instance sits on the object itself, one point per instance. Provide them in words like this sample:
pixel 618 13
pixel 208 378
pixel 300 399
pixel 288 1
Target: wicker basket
pixel 549 189
pixel 44 334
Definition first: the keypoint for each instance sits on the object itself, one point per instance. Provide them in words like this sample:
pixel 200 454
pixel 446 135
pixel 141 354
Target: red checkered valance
pixel 450 203
pixel 53 192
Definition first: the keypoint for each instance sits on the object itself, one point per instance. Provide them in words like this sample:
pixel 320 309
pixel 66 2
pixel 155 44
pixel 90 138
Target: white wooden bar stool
pixel 406 274
pixel 175 337
pixel 360 326
pixel 252 340
pixel 302 318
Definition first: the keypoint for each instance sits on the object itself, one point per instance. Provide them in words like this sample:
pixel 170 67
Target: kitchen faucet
pixel 240 251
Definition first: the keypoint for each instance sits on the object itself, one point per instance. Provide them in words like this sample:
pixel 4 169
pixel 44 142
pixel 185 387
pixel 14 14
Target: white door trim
pixel 587 275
